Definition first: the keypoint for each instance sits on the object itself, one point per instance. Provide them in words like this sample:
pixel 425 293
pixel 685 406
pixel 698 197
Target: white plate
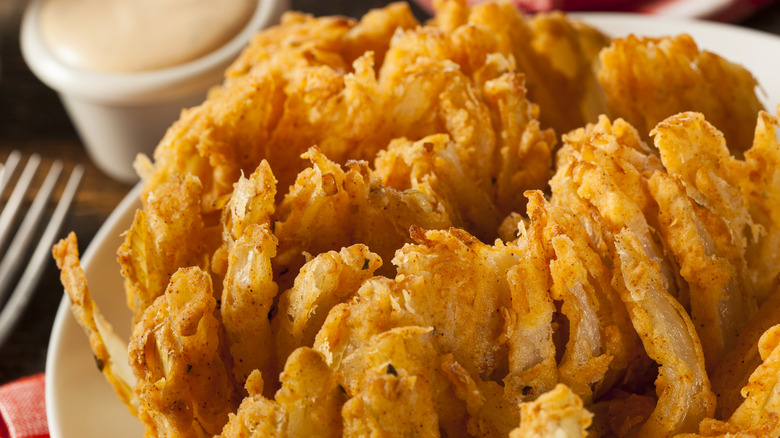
pixel 81 404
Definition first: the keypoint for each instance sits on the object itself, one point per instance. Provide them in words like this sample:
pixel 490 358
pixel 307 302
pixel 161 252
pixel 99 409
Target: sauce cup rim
pixel 144 86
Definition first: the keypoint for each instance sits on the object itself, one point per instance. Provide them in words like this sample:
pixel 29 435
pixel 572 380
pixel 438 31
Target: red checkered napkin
pixel 23 409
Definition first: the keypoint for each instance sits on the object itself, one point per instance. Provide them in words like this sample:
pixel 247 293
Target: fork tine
pixel 8 169
pixel 11 208
pixel 14 256
pixel 29 279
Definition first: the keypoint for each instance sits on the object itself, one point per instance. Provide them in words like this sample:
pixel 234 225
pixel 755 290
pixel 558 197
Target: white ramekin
pixel 119 115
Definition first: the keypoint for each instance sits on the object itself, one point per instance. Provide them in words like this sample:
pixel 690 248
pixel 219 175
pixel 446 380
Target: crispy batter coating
pixel 645 80
pixel 669 337
pixel 716 198
pixel 626 276
pixel 109 349
pixel 602 176
pixel 308 403
pixel 553 52
pixel 411 351
pixel 555 413
pixel 454 267
pixel 252 202
pixel 477 194
pixel 243 262
pixel 167 234
pixel 306 82
pixel 759 179
pixel 391 406
pixel 247 298
pixel 444 267
pixel 757 416
pixel 182 383
pixel 257 416
pixel 759 410
pixel 601 345
pixel 734 369
pixel 236 127
pixel 533 368
pixel 325 281
pixel 389 369
pixel 355 348
pixel 490 413
pixel 714 287
pixel 311 395
pixel 330 208
pixel 433 167
pixel 377 306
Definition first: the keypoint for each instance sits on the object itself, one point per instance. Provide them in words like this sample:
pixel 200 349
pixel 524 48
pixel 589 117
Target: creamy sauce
pixel 139 35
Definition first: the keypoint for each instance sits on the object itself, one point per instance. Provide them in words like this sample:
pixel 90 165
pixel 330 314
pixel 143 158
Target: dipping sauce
pixel 139 35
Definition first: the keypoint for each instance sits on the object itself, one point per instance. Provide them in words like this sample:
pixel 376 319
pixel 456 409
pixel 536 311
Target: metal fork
pixel 18 249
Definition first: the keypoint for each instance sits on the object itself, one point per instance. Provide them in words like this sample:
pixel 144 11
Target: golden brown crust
pixel 645 80
pixel 317 252
pixel 106 346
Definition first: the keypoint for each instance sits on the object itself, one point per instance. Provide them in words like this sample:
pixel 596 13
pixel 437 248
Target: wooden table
pixel 33 120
